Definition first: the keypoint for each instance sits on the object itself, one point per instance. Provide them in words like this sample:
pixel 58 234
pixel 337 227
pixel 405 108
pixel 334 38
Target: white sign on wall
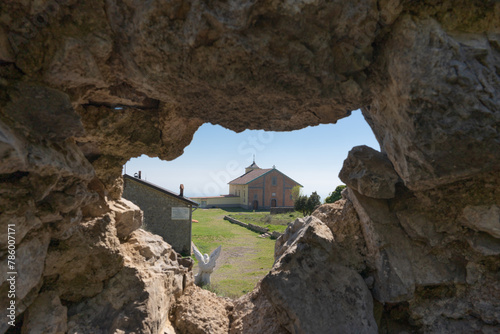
pixel 180 213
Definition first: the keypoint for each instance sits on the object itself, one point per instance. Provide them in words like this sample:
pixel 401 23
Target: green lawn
pixel 277 222
pixel 245 258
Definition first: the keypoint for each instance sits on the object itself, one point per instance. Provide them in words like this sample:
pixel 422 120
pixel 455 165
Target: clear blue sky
pixel 312 156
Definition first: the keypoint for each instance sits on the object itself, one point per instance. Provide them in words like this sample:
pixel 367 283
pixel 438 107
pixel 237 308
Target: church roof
pixel 250 176
pixel 255 174
pixel 253 165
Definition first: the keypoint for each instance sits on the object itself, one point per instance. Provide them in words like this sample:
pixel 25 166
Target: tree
pixel 307 204
pixel 296 193
pixel 335 195
pixel 313 202
pixel 301 204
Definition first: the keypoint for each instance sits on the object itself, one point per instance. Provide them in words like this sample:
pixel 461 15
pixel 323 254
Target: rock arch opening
pixel 425 76
pixel 216 156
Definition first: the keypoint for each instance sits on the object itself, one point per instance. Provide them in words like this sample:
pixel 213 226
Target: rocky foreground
pixel 86 85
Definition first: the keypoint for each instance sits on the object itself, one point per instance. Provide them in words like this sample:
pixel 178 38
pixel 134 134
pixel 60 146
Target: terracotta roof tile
pixel 250 176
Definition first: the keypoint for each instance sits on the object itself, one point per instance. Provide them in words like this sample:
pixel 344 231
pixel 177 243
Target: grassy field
pixel 245 258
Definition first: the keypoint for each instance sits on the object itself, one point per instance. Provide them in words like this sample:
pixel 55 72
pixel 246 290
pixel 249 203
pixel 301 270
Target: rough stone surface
pixel 369 172
pixel 46 315
pixel 109 140
pixel 349 247
pixel 435 111
pixel 138 298
pixel 338 301
pixel 400 263
pixel 426 269
pixel 77 267
pixel 128 217
pixel 28 264
pixel 200 311
pixel 483 218
pixel 86 85
pixel 254 314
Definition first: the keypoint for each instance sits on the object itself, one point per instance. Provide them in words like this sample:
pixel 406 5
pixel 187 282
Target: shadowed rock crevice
pixel 85 86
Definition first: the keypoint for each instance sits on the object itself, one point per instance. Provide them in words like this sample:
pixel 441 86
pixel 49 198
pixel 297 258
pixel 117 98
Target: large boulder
pixel 200 311
pixel 349 248
pixel 77 267
pixel 399 263
pixel 309 292
pixel 253 313
pixel 369 172
pixel 434 109
pixel 138 298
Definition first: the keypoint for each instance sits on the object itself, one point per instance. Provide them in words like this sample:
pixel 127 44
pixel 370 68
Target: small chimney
pixel 182 190
pixel 139 174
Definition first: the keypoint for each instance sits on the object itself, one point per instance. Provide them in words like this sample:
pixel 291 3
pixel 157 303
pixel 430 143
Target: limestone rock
pixel 109 141
pixel 419 226
pixel 11 150
pixel 390 10
pixel 484 243
pixel 483 218
pixel 29 266
pixel 43 113
pixel 254 314
pixel 349 247
pixel 77 62
pixel 200 311
pixel 309 231
pixel 444 309
pixel 46 315
pixel 128 217
pixel 338 301
pixel 417 237
pixel 78 266
pixel 434 110
pixel 399 262
pixel 369 172
pixel 139 297
pixel 21 224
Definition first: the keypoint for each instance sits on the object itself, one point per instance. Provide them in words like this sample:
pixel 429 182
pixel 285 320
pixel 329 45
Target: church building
pixel 258 188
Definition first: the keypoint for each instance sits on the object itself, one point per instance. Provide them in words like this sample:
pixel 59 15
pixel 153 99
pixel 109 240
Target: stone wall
pixel 249 226
pixel 157 208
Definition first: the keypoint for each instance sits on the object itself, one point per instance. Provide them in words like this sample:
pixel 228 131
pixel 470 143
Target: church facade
pixel 258 188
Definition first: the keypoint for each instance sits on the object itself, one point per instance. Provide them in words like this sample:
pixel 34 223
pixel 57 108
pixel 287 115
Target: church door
pixel 255 205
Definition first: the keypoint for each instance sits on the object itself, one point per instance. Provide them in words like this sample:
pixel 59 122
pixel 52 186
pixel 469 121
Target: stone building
pixel 258 188
pixel 165 213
